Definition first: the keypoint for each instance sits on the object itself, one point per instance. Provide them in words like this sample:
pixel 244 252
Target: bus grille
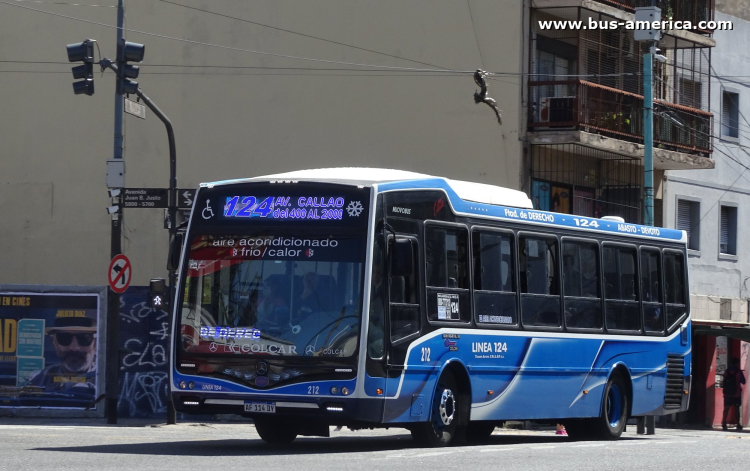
pixel 675 381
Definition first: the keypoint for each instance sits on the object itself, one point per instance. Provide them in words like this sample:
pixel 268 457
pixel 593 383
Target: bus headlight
pixel 345 391
pixel 334 390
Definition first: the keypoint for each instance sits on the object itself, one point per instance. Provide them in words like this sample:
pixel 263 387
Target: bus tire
pixel 442 426
pixel 275 432
pixel 615 405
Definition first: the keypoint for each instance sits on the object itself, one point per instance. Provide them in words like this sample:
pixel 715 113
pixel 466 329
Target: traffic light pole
pixel 113 304
pixel 171 415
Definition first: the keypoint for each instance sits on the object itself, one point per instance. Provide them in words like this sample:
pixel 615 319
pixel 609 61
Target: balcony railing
pixel 599 109
pixel 694 11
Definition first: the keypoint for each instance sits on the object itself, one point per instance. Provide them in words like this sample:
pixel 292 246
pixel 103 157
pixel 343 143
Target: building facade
pixel 252 88
pixel 712 205
pixel 584 106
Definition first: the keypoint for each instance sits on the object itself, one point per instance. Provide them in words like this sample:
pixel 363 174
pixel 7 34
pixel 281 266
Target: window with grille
pixel 725 310
pixel 688 220
pixel 728 231
pixel 730 109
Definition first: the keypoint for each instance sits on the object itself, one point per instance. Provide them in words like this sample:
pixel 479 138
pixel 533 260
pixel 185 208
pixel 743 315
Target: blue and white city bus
pixel 382 298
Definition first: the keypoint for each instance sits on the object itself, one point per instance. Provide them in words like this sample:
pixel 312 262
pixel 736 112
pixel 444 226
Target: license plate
pixel 265 407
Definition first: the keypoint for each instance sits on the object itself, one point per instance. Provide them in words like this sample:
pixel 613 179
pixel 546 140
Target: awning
pixel 740 333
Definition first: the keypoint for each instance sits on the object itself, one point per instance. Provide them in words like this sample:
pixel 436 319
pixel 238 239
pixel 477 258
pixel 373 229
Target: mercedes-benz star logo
pixel 213 347
pixel 261 368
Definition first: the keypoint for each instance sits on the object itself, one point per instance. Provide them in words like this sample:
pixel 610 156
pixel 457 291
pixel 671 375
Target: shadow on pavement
pixel 301 446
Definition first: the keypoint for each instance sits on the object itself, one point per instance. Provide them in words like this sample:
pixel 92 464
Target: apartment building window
pixel 730 111
pixel 728 230
pixel 688 220
pixel 725 309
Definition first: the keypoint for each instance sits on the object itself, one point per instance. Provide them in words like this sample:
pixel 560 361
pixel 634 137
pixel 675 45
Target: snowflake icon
pixel 354 209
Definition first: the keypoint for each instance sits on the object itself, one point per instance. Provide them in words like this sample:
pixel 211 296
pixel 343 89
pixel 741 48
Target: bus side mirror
pixel 175 250
pixel 402 258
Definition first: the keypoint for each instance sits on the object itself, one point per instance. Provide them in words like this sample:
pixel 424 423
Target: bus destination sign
pixel 292 207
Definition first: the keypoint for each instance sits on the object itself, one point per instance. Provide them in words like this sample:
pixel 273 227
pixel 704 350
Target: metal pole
pixel 648 140
pixel 171 415
pixel 112 383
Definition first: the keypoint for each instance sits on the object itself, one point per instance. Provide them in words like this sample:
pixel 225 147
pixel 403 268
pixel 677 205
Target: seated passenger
pixel 271 306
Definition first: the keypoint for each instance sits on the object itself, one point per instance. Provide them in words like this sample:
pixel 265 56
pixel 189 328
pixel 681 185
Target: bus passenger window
pixel 447 273
pixel 621 291
pixel 674 286
pixel 540 284
pixel 653 317
pixel 581 285
pixel 494 278
pixel 447 264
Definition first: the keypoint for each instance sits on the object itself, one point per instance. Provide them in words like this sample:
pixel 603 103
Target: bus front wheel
pixel 442 425
pixel 276 432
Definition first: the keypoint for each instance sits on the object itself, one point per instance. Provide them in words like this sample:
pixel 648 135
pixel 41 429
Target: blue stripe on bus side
pixel 543 218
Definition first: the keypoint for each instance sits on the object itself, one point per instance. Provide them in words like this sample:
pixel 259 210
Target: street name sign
pixel 145 198
pixel 136 109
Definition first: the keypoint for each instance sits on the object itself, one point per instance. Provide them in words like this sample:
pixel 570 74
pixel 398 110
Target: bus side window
pixel 583 309
pixel 494 278
pixel 540 284
pixel 447 273
pixel 674 286
pixel 653 317
pixel 621 293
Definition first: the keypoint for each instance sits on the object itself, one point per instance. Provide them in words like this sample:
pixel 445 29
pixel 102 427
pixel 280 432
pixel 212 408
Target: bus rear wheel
pixel 612 419
pixel 614 416
pixel 276 432
pixel 442 426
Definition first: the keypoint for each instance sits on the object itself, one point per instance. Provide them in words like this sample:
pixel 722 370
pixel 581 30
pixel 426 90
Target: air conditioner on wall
pixel 556 109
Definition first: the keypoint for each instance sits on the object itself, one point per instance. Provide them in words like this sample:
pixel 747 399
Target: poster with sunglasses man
pixel 74 341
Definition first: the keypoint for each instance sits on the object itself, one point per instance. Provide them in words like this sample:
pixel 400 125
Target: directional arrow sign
pixel 185 198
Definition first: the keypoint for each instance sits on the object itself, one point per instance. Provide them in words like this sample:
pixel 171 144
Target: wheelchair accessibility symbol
pixel 207 213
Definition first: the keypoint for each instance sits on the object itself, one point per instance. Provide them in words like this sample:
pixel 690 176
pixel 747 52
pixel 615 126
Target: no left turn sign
pixel 120 273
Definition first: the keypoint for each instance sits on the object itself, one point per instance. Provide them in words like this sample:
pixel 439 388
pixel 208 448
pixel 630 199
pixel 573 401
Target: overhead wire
pixel 304 35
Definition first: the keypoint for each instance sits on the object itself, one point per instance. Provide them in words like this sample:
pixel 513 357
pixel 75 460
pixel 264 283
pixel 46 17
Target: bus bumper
pixel 330 410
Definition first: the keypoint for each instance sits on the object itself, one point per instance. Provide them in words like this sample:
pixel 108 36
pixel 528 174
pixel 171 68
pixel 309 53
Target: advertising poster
pixel 48 349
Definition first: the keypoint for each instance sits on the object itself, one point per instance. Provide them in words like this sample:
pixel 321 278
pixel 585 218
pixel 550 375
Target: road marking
pixel 432 453
pixel 588 445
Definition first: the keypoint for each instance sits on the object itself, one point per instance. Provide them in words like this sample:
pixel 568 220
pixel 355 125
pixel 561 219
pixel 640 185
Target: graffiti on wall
pixel 144 343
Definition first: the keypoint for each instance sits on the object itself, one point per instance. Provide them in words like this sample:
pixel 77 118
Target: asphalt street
pixel 53 444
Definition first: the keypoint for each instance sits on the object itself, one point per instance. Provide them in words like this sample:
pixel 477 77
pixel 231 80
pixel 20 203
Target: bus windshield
pixel 273 293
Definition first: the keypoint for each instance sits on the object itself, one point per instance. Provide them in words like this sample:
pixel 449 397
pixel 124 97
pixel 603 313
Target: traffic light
pixel 83 52
pixel 158 294
pixel 126 52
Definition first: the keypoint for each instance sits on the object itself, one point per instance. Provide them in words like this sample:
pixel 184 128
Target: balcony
pixel 594 108
pixel 694 11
